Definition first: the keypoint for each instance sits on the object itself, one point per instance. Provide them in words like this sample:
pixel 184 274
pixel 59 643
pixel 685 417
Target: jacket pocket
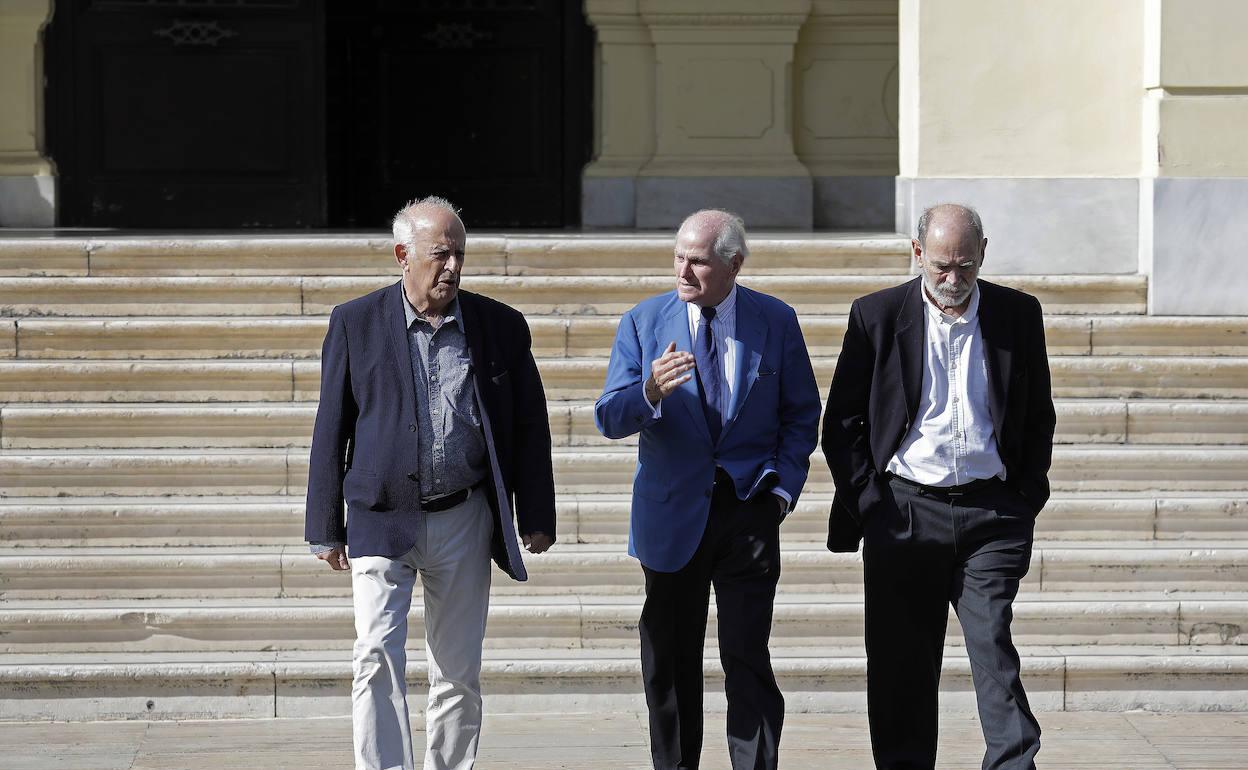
pixel 363 490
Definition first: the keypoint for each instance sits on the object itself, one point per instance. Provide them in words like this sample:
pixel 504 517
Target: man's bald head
pixel 724 230
pixel 952 220
pixel 432 212
pixel 948 252
pixel 429 243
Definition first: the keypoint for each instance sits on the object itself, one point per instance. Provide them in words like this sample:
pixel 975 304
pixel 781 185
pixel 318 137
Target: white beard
pixel 945 295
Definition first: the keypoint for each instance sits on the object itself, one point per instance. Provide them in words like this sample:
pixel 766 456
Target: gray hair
pixel 730 234
pixel 970 218
pixel 408 218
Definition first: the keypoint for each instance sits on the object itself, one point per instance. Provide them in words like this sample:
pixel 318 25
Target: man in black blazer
pixel 939 435
pixel 432 426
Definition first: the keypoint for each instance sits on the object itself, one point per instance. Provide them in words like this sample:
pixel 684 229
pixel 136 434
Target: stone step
pixel 37 473
pixel 256 625
pixel 564 379
pixel 542 295
pixel 553 336
pixel 171 685
pixel 1073 377
pixel 488 254
pixel 107 426
pixel 585 518
pixel 576 569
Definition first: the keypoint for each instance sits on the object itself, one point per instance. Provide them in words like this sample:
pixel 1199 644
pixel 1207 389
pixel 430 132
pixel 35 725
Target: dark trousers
pixel 927 552
pixel 740 554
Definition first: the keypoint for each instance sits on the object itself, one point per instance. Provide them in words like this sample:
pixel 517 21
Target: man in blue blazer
pixel 432 427
pixel 716 379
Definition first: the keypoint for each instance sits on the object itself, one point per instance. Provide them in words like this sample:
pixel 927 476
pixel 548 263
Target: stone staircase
pixel 156 402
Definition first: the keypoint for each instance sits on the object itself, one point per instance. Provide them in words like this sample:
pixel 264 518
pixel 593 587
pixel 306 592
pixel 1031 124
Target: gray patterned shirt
pixel 451 445
pixel 451 449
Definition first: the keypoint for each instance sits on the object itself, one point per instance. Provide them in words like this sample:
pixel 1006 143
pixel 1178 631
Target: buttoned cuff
pixel 786 497
pixel 656 410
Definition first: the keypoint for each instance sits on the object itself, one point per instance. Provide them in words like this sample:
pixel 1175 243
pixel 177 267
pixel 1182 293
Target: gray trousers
pixel 929 551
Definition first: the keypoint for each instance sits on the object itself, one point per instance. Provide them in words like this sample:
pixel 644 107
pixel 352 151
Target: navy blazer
pixel 878 383
pixel 770 428
pixel 364 443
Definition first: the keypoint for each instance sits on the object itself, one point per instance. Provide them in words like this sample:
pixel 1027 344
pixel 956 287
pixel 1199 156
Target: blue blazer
pixel 769 433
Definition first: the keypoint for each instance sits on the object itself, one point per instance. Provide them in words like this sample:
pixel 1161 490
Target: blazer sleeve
pixel 534 479
pixel 846 430
pixel 622 409
pixel 1041 418
pixel 334 430
pixel 799 412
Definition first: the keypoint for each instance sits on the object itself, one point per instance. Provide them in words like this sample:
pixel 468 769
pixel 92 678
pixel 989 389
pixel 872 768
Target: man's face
pixel 702 277
pixel 949 263
pixel 432 263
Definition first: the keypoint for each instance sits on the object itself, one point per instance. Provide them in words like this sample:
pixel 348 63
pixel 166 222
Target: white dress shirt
pixel 951 440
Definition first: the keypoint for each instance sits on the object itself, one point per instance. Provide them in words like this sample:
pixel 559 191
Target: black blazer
pixel 364 442
pixel 876 389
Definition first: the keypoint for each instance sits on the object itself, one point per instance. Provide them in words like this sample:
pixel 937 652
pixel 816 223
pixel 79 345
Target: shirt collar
pixel 726 306
pixel 972 310
pixel 409 312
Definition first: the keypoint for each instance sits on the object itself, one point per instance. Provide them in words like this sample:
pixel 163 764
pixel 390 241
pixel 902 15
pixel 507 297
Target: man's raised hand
pixel 668 372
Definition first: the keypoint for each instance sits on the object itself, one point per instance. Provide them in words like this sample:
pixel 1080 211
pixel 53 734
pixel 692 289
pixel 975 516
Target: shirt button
pixel 411 426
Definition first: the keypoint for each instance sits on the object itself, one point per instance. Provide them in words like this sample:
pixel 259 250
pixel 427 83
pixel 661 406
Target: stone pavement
pixel 1119 741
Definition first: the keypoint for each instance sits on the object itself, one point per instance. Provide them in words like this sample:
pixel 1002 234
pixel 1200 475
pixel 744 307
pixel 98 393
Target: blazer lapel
pixel 675 326
pixel 472 330
pixel 751 338
pixel 909 334
pixel 998 343
pixel 401 352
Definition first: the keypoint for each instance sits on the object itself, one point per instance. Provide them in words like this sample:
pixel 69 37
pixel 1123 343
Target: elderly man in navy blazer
pixel 716 379
pixel 432 426
pixel 939 435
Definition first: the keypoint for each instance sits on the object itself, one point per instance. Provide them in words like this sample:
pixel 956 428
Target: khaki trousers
pixel 452 559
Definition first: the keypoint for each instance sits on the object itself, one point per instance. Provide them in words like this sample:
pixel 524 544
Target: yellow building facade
pixel 1095 136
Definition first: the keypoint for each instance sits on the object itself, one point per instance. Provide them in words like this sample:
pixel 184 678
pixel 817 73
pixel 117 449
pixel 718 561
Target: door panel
pixel 188 114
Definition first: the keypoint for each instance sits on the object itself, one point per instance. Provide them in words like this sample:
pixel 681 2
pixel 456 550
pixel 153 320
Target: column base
pixel 779 202
pixel 1052 226
pixel 1198 233
pixel 854 202
pixel 27 201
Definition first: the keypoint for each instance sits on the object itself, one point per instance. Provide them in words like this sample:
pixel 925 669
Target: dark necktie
pixel 710 374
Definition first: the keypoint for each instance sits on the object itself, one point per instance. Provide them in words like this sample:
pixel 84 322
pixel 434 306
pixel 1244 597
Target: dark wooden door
pixel 485 102
pixel 188 113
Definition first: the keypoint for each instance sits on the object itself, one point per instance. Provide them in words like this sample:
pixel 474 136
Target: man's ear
pixel 737 261
pixel 916 251
pixel 983 252
pixel 400 254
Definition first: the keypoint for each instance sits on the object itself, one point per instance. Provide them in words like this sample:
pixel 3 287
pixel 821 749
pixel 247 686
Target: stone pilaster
pixel 1195 187
pixel 724 113
pixel 845 98
pixel 27 184
pixel 624 107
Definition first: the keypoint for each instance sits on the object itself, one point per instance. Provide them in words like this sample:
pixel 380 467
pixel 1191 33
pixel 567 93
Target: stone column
pixel 623 113
pixel 846 102
pixel 1194 202
pixel 1030 112
pixel 27 182
pixel 724 113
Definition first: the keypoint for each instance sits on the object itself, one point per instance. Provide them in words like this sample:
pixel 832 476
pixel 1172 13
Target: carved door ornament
pixel 182 32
